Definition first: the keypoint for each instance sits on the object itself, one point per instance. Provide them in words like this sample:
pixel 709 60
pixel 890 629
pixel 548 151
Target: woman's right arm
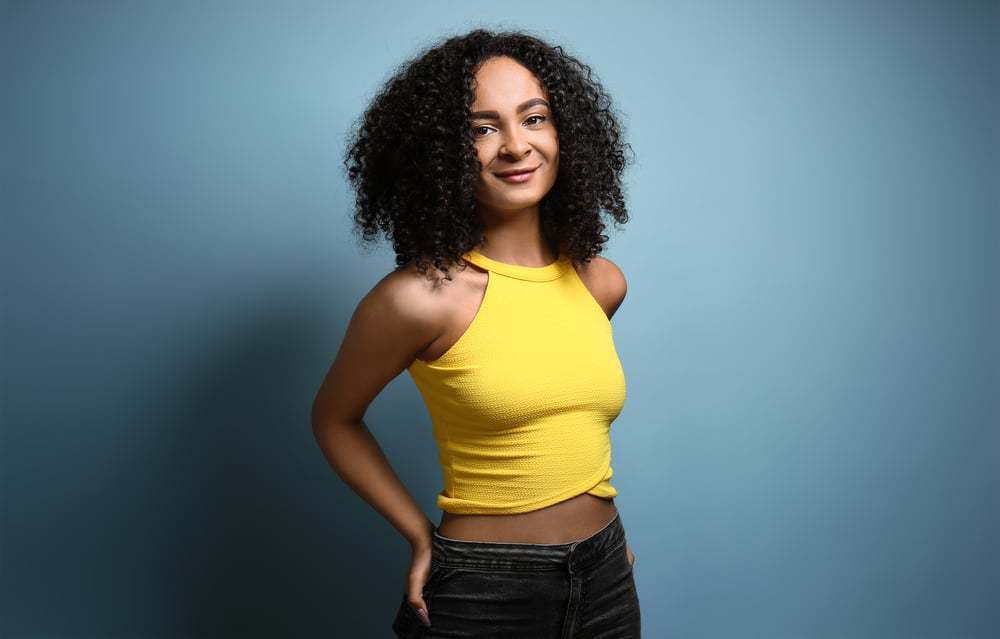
pixel 389 327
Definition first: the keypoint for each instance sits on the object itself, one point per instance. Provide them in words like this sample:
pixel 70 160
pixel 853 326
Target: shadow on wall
pixel 235 525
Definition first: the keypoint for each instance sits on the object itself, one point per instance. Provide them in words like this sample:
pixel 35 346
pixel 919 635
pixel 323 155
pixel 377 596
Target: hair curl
pixel 412 159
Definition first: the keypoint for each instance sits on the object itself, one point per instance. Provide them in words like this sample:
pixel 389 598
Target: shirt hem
pixel 523 507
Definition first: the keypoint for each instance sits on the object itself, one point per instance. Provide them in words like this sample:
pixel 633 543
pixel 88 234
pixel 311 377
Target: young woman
pixel 490 157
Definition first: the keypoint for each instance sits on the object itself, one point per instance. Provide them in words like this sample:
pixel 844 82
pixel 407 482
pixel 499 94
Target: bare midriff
pixel 569 520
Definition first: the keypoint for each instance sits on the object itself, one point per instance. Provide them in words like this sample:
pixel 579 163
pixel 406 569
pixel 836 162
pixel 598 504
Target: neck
pixel 515 237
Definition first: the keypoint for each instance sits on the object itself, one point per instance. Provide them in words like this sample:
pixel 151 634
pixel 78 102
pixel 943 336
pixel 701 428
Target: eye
pixel 476 129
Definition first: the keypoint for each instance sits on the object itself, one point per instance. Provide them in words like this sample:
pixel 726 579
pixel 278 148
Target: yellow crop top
pixel 522 403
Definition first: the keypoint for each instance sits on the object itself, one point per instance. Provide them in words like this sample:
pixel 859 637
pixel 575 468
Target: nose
pixel 515 144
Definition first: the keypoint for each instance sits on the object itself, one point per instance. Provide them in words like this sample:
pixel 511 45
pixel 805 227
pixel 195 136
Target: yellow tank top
pixel 522 403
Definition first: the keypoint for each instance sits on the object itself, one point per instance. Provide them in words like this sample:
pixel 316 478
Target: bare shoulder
pixel 409 299
pixel 392 323
pixel 606 282
pixel 613 276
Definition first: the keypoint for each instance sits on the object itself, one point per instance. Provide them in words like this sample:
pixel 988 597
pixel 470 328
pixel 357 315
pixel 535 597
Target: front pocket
pixel 439 573
pixel 407 624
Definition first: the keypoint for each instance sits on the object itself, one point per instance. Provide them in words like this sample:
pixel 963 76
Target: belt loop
pixel 569 556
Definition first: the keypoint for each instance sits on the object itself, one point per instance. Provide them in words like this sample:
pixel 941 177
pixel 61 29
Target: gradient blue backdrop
pixel 810 445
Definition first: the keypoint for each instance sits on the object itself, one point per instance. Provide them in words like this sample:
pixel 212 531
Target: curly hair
pixel 412 161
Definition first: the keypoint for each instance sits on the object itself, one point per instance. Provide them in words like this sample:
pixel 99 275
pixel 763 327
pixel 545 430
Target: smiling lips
pixel 517 175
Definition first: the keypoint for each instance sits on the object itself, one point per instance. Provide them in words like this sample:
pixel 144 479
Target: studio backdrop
pixel 809 446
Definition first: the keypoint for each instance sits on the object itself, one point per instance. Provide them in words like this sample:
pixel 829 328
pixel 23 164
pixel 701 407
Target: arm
pixel 606 283
pixel 391 324
pixel 616 287
pixel 612 284
pixel 609 289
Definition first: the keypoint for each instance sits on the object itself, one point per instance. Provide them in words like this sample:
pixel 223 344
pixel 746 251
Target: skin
pixel 406 316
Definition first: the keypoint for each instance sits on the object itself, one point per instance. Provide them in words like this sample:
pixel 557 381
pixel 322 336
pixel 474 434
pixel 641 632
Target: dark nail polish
pixel 424 618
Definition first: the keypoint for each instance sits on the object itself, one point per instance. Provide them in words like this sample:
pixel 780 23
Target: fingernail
pixel 423 617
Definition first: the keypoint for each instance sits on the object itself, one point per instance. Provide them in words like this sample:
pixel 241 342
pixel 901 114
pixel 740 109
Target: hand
pixel 420 568
pixel 631 556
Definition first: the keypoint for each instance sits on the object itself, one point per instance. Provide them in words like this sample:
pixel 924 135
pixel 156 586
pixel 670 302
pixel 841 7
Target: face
pixel 512 127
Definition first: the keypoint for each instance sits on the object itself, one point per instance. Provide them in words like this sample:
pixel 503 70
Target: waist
pixel 567 521
pixel 578 554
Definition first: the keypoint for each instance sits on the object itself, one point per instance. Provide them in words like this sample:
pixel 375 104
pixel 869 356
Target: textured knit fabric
pixel 522 403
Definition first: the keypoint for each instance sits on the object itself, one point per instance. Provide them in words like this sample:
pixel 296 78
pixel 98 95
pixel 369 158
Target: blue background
pixel 810 443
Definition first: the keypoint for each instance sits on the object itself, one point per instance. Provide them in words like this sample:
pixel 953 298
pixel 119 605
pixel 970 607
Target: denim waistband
pixel 513 556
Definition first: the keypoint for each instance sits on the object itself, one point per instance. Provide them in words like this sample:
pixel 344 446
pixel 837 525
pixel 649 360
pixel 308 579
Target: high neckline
pixel 531 273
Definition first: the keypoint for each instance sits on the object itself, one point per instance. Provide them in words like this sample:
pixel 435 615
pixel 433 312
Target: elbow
pixel 323 423
pixel 319 419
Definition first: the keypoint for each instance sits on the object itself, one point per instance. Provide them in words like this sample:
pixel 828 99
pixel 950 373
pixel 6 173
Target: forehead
pixel 503 83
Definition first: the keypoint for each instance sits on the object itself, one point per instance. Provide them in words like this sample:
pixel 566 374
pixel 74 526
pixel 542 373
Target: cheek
pixel 554 154
pixel 551 150
pixel 484 159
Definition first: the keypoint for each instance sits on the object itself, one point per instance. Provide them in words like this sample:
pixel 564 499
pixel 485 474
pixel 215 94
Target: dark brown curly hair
pixel 412 161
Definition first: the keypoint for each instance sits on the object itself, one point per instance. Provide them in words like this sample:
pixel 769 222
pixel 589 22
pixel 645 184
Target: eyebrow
pixel 493 115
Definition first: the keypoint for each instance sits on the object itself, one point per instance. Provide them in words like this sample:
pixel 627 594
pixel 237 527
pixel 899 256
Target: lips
pixel 518 171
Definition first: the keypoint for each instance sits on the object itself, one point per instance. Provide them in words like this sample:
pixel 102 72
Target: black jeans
pixel 580 589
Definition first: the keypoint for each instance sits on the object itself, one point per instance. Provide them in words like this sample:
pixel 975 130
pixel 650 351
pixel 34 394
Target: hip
pixel 581 588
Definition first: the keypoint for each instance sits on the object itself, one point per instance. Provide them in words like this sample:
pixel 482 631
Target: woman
pixel 458 161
